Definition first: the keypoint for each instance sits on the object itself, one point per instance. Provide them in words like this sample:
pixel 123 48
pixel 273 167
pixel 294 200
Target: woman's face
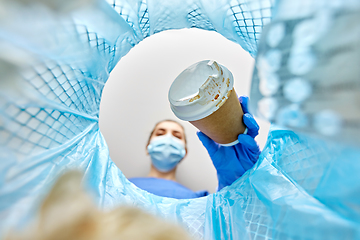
pixel 169 127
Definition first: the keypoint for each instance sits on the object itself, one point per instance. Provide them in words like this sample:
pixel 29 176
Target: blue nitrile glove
pixel 232 162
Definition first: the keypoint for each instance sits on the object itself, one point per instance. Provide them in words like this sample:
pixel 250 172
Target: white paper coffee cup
pixel 198 93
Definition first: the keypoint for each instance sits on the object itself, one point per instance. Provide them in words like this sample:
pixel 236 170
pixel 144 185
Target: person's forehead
pixel 172 126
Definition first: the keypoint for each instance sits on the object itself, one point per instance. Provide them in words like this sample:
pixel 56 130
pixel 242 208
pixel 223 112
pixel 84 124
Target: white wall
pixel 135 98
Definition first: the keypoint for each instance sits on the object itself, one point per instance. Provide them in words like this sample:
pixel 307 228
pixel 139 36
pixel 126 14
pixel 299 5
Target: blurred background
pixel 135 99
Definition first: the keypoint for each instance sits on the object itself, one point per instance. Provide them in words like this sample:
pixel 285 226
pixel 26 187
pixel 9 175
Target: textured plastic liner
pixel 54 62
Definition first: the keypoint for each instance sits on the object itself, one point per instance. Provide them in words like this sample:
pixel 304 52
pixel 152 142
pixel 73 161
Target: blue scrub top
pixel 166 188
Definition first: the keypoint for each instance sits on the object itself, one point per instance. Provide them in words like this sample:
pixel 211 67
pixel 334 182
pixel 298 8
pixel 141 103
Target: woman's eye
pixel 160 133
pixel 178 136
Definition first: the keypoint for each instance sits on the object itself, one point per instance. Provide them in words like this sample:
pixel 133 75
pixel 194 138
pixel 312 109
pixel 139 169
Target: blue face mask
pixel 166 151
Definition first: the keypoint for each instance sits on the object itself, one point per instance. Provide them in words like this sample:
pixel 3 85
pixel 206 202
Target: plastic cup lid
pixel 200 90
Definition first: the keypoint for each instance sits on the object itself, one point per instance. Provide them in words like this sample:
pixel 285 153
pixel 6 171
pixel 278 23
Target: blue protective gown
pixel 166 188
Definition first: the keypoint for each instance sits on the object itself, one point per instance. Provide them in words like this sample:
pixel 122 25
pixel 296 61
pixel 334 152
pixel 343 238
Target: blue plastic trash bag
pixel 56 56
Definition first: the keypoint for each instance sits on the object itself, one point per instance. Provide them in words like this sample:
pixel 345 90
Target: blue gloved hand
pixel 232 162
